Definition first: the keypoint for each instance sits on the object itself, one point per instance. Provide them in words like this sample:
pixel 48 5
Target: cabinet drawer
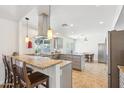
pixel 76 57
pixel 74 66
pixel 76 62
pixel 66 57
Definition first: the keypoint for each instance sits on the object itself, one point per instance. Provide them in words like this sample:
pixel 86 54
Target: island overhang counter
pixel 45 65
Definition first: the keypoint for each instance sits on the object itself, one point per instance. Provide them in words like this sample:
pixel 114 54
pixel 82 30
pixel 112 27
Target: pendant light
pixel 29 44
pixel 49 32
pixel 27 38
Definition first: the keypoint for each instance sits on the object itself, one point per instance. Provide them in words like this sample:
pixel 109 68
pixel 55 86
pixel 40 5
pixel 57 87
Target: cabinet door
pixel 76 62
pixel 58 43
pixel 66 77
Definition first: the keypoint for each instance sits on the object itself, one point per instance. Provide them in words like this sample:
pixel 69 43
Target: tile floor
pixel 93 76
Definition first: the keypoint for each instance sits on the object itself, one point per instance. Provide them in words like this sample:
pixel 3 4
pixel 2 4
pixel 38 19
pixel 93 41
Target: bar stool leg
pixel 47 83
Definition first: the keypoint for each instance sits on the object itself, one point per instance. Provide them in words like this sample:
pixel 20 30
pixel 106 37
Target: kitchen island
pixel 78 62
pixel 52 68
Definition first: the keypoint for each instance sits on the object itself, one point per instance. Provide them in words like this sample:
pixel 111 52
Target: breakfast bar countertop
pixel 40 62
pixel 64 63
pixel 121 68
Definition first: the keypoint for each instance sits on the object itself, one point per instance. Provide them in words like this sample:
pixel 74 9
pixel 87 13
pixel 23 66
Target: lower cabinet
pixel 66 76
pixel 121 80
pixel 77 60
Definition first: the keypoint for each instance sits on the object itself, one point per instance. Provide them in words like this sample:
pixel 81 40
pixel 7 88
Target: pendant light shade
pixel 49 32
pixel 29 44
pixel 26 39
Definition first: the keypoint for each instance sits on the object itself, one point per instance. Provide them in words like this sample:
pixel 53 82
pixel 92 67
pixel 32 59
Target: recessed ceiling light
pixel 65 25
pixel 101 22
pixel 71 25
pixel 98 5
pixel 57 33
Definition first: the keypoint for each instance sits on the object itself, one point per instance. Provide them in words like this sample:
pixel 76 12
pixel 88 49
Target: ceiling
pixel 82 19
pixel 14 12
pixel 77 19
pixel 120 22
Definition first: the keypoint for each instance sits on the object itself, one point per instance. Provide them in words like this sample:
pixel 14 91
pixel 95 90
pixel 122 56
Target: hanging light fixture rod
pixel 49 32
pixel 49 14
pixel 26 18
pixel 27 24
pixel 27 38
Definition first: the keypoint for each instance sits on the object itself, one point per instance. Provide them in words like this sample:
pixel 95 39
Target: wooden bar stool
pixel 86 57
pixel 11 75
pixel 7 85
pixel 32 80
pixel 29 70
pixel 11 71
pixel 6 70
pixel 91 57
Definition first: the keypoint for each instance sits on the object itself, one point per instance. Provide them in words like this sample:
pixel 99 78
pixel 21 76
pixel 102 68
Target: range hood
pixel 42 25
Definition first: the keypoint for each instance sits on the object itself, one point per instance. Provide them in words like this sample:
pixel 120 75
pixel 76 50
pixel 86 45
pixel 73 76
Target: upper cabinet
pixel 58 43
pixel 64 44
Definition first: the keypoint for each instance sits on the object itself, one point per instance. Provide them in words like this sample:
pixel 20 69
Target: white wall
pixel 67 44
pixel 91 45
pixel 8 40
pixel 33 21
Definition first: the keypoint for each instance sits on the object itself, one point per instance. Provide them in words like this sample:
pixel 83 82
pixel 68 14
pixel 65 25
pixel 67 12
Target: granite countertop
pixel 64 63
pixel 74 54
pixel 121 68
pixel 38 61
pixel 48 55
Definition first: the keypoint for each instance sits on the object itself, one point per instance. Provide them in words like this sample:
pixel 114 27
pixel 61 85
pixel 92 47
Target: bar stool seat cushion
pixel 37 78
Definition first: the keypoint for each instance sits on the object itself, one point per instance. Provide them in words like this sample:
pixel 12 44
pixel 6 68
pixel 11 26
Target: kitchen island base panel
pixel 54 75
pixel 78 61
pixel 66 76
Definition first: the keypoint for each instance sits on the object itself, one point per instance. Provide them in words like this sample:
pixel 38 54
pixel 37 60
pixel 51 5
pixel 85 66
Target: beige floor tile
pixel 94 76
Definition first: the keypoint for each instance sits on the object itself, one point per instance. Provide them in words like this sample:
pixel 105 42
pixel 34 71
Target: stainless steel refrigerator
pixel 101 52
pixel 115 56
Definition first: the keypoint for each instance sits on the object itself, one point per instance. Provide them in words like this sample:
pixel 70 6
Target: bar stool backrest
pixel 6 69
pixel 22 72
pixel 10 64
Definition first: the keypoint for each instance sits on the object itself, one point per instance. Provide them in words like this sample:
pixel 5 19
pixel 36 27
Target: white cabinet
pixel 66 76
